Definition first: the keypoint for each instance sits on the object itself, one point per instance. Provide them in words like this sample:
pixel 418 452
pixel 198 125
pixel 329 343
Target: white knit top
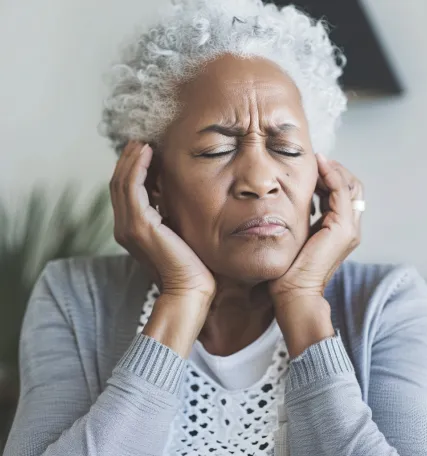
pixel 218 421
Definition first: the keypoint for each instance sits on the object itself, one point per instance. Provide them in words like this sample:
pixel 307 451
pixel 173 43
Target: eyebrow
pixel 240 131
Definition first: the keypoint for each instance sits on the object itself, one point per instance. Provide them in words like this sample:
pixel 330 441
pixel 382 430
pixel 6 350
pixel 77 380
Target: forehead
pixel 231 87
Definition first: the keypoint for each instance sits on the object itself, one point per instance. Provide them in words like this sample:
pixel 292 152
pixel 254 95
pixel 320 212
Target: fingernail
pixel 322 158
pixel 144 148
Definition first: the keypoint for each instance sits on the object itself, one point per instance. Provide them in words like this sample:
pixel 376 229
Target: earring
pixel 157 208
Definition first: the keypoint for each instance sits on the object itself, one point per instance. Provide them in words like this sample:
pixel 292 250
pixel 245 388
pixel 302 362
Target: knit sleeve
pixel 326 413
pixel 56 415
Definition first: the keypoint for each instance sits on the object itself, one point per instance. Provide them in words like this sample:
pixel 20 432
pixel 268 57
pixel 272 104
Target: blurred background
pixel 55 168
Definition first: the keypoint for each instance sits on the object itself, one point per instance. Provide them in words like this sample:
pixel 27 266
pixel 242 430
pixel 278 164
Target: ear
pixel 153 182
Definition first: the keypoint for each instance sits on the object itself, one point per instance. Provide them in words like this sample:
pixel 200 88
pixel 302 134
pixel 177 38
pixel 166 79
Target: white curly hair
pixel 189 33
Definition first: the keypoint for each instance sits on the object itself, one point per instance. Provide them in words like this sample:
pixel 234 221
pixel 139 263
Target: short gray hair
pixel 143 85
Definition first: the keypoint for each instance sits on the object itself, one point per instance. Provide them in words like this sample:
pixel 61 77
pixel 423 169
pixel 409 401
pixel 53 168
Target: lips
pixel 269 224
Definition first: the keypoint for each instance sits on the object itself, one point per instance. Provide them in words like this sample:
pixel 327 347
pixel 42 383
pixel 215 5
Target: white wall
pixel 54 52
pixel 384 142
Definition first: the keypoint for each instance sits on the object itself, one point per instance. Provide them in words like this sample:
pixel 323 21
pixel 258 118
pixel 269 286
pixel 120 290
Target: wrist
pixel 304 321
pixel 176 320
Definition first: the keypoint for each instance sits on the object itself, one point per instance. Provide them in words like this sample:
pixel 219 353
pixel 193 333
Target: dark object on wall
pixel 368 70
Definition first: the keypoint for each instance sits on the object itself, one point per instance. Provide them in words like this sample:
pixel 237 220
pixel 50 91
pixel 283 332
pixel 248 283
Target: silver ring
pixel 358 205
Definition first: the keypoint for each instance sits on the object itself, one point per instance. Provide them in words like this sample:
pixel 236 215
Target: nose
pixel 256 176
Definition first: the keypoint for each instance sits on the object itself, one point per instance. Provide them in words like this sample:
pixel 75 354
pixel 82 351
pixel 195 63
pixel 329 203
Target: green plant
pixel 36 233
pixel 30 236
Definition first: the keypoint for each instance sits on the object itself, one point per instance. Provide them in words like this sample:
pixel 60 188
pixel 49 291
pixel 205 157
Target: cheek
pixel 194 202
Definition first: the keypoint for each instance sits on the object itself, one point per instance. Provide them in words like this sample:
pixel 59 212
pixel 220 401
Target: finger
pixel 117 180
pixel 355 186
pixel 321 187
pixel 129 160
pixel 116 190
pixel 122 161
pixel 352 181
pixel 138 199
pixel 339 193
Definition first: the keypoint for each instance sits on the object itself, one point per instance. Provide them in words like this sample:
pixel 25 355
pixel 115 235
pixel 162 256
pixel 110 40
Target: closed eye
pixel 286 152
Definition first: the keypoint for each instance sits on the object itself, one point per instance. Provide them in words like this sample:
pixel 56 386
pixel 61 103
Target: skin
pixel 254 96
pixel 228 288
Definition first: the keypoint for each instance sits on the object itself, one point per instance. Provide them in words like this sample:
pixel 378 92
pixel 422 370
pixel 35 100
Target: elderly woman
pixel 234 326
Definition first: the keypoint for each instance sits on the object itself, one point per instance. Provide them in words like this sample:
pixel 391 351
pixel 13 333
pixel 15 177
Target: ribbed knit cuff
pixel 324 359
pixel 154 362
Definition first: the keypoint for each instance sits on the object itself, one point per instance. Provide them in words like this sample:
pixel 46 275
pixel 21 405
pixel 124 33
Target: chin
pixel 257 268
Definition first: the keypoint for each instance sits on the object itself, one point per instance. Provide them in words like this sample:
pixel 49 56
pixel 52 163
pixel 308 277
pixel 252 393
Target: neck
pixel 239 314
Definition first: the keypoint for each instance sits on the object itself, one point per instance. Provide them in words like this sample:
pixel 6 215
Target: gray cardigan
pixel 90 386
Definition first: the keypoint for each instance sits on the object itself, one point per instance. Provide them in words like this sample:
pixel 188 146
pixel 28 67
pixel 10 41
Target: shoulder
pixel 376 284
pixel 81 285
pixel 372 302
pixel 94 270
pixel 83 310
pixel 360 292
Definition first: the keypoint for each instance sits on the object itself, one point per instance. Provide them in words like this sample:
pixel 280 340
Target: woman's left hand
pixel 332 238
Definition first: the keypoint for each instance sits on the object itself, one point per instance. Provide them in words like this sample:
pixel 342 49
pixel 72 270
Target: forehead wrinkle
pixel 255 85
pixel 248 110
pixel 253 117
pixel 264 107
pixel 257 95
pixel 284 87
pixel 249 106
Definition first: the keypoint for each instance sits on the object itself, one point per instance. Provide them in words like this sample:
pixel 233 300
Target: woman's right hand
pixel 139 229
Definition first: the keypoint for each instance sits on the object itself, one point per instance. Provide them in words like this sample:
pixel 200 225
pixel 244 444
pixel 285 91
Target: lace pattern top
pixel 217 422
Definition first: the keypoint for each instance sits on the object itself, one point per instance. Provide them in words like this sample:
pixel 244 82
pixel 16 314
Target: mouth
pixel 269 225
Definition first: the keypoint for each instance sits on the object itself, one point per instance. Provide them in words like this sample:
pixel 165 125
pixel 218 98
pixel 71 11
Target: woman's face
pixel 239 150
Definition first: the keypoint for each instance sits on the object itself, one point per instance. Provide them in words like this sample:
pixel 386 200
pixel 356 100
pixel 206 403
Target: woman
pixel 233 327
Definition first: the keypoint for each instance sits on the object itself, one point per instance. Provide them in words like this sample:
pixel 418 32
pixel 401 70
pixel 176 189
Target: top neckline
pixel 280 350
pixel 272 330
